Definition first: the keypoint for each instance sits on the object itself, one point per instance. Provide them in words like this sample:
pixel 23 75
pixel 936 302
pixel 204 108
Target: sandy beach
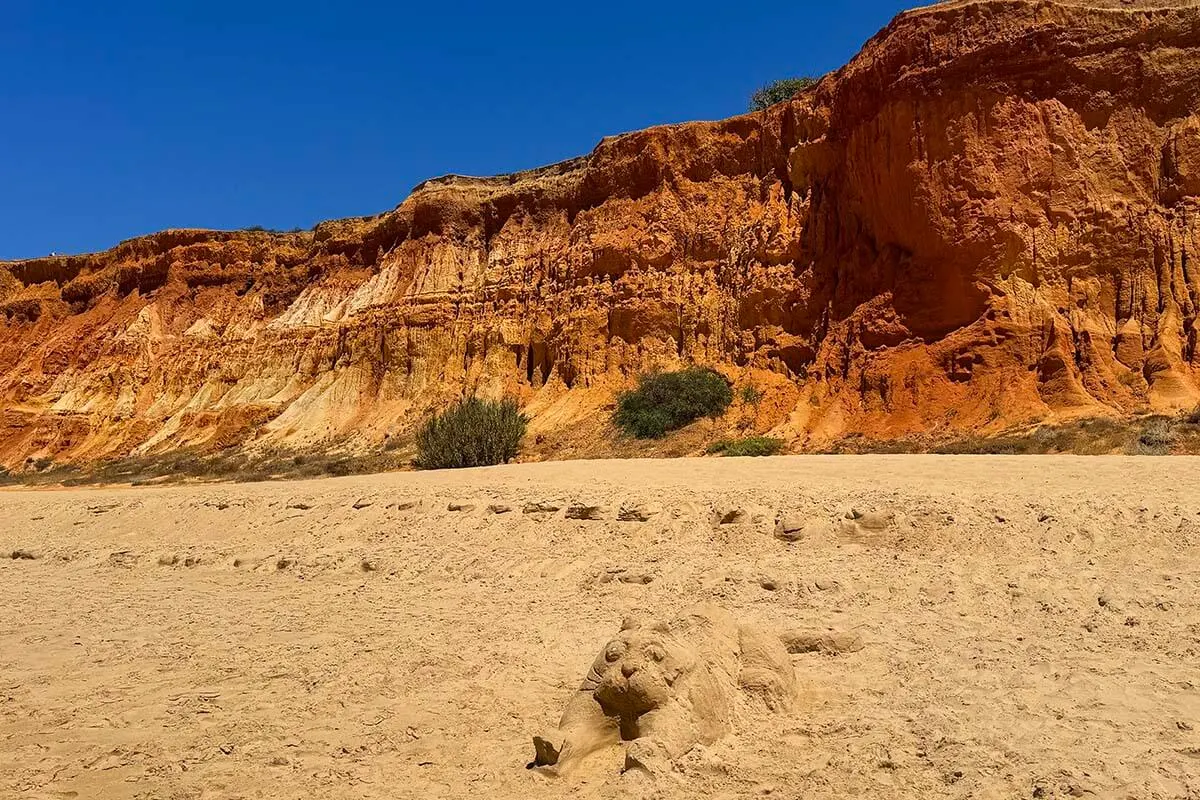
pixel 1021 627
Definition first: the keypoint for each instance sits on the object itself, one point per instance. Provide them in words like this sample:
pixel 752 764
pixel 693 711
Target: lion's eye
pixel 655 652
pixel 615 650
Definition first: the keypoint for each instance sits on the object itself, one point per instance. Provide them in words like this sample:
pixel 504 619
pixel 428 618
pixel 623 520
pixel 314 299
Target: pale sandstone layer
pixel 1023 628
pixel 987 218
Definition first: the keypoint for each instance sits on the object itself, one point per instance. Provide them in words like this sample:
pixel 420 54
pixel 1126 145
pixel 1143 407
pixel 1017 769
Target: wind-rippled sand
pixel 1031 628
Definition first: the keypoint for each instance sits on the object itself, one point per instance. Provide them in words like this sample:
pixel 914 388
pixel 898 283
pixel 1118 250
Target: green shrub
pixel 471 433
pixel 1193 416
pixel 667 401
pixel 779 91
pixel 751 395
pixel 754 447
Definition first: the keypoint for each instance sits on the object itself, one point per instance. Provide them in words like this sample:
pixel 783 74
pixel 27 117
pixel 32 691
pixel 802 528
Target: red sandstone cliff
pixel 988 217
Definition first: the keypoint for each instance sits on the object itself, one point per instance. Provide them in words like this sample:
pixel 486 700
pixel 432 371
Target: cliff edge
pixel 987 218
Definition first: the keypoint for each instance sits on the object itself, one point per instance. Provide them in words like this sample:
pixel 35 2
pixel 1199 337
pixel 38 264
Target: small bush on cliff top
pixel 668 401
pixel 779 91
pixel 471 433
pixel 261 229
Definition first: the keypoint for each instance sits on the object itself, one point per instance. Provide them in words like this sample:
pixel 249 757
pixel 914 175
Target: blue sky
pixel 126 117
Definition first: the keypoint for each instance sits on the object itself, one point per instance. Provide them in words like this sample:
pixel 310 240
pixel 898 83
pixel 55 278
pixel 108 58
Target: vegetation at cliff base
pixel 667 401
pixel 471 433
pixel 779 91
pixel 1193 417
pixel 752 447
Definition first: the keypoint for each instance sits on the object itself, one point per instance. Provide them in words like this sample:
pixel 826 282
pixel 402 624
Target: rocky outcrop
pixel 987 218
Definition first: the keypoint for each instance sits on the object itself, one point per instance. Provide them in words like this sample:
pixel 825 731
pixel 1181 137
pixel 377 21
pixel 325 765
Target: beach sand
pixel 1029 627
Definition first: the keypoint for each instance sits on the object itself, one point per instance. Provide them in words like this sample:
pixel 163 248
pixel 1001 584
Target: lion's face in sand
pixel 637 672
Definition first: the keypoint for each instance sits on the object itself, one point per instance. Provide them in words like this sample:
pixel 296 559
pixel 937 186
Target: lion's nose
pixel 628 670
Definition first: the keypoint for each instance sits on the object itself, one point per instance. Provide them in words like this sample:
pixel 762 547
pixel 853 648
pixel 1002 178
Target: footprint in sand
pixel 122 558
pixel 794 528
pixel 587 513
pixel 867 526
pixel 623 575
pixel 830 643
pixel 730 516
pixel 637 512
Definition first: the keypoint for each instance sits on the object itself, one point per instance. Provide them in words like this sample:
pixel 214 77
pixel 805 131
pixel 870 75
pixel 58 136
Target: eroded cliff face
pixel 987 218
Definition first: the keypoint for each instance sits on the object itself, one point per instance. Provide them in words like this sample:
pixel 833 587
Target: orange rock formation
pixel 988 217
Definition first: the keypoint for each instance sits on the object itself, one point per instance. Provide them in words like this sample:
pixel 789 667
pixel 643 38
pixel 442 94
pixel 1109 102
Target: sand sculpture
pixel 662 688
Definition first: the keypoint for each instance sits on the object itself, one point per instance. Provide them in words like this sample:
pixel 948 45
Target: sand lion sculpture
pixel 664 688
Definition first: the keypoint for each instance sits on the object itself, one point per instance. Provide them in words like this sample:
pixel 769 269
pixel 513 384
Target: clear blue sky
pixel 126 117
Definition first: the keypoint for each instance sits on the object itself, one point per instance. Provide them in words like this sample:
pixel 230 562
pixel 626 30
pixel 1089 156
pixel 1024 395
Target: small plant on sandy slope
pixel 751 395
pixel 779 91
pixel 667 401
pixel 1192 417
pixel 753 447
pixel 1156 438
pixel 471 433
